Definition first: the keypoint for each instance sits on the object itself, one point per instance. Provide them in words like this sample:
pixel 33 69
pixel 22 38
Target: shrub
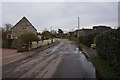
pixel 86 40
pixel 27 39
pixel 7 43
pixel 108 48
pixel 14 44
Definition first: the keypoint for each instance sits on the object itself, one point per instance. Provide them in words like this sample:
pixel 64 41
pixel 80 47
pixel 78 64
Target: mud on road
pixel 63 60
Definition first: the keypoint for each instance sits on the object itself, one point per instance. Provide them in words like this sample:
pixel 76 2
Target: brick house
pixel 82 32
pixel 100 29
pixel 22 27
pixel 95 31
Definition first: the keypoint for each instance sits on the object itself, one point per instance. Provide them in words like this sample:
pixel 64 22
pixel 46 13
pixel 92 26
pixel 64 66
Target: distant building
pixel 94 31
pixel 39 35
pixel 65 35
pixel 82 32
pixel 100 29
pixel 71 34
pixel 22 27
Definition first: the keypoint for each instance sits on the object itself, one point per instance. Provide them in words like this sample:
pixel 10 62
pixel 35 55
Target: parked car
pixel 93 46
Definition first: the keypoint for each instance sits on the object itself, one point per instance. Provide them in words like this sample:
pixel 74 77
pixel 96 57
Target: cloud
pixel 61 15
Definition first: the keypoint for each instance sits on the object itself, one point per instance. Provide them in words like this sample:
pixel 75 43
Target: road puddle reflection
pixel 75 65
pixel 88 64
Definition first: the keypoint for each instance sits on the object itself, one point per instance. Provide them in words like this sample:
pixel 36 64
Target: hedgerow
pixel 86 40
pixel 108 48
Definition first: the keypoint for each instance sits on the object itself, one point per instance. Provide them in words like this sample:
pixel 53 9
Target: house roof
pixel 21 20
pixel 83 30
pixel 9 32
pixel 38 33
pixel 101 27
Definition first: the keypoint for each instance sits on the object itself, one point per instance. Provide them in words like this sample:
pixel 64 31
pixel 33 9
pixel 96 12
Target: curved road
pixel 63 60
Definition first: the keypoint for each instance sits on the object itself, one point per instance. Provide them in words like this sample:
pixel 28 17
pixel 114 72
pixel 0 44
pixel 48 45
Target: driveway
pixel 7 52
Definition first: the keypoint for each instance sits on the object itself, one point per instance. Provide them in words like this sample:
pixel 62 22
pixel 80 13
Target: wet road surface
pixel 63 60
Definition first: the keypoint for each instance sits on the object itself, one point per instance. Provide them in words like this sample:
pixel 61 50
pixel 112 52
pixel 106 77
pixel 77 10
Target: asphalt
pixel 63 60
pixel 74 64
pixel 20 55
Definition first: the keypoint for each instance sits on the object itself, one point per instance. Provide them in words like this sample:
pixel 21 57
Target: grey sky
pixel 61 15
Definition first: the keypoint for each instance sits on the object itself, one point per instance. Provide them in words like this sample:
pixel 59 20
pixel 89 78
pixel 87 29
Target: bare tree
pixel 46 34
pixel 54 33
pixel 7 27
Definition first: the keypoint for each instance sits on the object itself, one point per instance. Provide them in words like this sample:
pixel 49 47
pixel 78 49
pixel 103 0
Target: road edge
pixel 42 48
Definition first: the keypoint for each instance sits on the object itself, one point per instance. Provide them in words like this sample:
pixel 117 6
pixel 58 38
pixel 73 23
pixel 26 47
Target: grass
pixel 83 46
pixel 105 69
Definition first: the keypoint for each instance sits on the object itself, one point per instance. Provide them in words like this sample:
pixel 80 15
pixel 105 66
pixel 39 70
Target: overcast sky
pixel 60 14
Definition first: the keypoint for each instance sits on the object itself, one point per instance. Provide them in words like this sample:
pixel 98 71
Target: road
pixel 63 60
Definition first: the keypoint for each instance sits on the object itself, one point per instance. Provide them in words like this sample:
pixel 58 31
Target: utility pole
pixel 51 28
pixel 78 23
pixel 78 27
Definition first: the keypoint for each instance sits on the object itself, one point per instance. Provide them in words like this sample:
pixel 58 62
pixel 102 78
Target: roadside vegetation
pixel 87 40
pixel 108 48
pixel 6 43
pixel 106 70
pixel 76 40
pixel 107 58
pixel 27 39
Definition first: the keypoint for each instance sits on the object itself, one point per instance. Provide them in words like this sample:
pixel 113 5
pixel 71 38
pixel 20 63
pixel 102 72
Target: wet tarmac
pixel 75 65
pixel 64 60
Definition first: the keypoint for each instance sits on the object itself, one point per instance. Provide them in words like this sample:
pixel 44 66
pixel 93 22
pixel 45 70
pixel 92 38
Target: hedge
pixel 86 40
pixel 7 43
pixel 108 48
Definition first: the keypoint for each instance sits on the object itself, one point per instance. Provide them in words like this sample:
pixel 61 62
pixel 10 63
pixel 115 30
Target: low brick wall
pixel 42 43
pixel 37 44
pixel 34 45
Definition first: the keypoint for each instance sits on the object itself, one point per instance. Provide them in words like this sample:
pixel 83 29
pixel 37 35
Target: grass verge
pixel 104 68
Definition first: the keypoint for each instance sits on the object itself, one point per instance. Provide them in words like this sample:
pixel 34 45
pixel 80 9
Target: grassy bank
pixel 103 67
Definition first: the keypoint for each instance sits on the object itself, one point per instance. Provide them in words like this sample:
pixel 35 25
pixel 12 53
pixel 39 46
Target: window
pixel 9 36
pixel 24 27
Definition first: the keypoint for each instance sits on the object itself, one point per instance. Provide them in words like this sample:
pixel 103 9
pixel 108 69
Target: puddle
pixel 86 62
pixel 55 48
pixel 64 53
pixel 49 50
pixel 76 51
pixel 75 65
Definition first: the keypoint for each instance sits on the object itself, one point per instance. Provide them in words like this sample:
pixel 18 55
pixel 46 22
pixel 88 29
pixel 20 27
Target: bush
pixel 86 40
pixel 27 39
pixel 7 43
pixel 108 48
pixel 14 44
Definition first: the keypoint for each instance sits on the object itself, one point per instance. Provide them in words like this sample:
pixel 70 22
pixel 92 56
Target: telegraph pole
pixel 78 27
pixel 78 23
pixel 51 28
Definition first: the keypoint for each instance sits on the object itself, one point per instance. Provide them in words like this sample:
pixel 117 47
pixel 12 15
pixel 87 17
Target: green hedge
pixel 108 48
pixel 7 43
pixel 86 40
